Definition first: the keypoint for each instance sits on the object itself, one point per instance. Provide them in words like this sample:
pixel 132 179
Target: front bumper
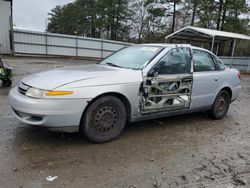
pixel 52 113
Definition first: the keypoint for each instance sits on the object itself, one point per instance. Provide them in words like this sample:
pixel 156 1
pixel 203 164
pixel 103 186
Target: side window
pixel 218 63
pixel 202 61
pixel 176 61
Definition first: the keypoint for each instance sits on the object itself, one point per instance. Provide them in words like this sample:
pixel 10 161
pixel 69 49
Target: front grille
pixel 22 88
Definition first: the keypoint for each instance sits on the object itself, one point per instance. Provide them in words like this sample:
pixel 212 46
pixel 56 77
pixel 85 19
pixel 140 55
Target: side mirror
pixel 153 72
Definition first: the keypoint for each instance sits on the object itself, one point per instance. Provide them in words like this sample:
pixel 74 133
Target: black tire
pixel 104 119
pixel 221 105
pixel 7 83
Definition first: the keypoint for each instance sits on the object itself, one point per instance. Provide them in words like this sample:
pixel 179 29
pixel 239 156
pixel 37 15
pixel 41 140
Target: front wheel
pixel 221 105
pixel 104 119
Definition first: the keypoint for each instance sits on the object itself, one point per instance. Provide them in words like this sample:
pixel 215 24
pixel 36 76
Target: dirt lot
pixel 182 151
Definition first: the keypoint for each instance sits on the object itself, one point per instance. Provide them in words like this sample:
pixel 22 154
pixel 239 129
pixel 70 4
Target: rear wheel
pixel 221 105
pixel 104 119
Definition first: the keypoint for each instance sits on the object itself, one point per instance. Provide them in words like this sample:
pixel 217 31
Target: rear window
pixel 202 61
pixel 218 63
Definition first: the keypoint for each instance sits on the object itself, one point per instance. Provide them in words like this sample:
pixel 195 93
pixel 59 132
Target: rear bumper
pixel 52 113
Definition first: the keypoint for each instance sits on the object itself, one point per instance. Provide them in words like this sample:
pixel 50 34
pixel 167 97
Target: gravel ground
pixel 183 151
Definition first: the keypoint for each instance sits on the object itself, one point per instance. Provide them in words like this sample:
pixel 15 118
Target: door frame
pixel 178 99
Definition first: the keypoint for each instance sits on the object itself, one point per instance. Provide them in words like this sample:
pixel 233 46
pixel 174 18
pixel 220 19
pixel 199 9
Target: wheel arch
pixel 120 96
pixel 229 90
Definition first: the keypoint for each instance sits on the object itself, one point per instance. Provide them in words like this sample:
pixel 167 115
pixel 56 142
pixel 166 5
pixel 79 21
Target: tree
pixel 219 14
pixel 114 14
pixel 90 18
pixel 175 3
pixel 55 24
pixel 69 19
pixel 157 20
pixel 231 20
pixel 138 14
pixel 86 16
pixel 146 20
pixel 207 14
pixel 186 14
pixel 194 5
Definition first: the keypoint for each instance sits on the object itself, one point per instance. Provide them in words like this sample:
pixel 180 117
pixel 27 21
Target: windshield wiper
pixel 113 65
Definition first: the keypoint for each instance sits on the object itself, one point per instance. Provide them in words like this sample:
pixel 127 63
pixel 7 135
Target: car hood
pixel 52 79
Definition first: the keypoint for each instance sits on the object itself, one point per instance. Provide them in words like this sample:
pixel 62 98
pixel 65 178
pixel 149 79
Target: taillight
pixel 238 74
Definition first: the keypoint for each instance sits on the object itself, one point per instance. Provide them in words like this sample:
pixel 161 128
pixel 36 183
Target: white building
pixel 5 26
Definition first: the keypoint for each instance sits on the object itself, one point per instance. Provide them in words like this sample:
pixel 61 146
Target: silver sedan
pixel 139 82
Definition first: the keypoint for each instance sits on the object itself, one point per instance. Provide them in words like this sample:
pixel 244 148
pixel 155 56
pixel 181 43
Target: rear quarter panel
pixel 229 78
pixel 234 82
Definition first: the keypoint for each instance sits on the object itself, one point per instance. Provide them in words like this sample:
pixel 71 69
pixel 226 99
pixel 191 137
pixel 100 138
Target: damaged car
pixel 139 82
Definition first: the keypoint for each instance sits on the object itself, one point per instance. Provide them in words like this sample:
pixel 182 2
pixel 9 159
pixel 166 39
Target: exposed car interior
pixel 162 92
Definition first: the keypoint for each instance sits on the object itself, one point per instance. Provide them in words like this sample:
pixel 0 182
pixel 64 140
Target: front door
pixel 168 85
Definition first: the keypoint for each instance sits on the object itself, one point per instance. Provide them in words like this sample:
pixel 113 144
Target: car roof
pixel 165 45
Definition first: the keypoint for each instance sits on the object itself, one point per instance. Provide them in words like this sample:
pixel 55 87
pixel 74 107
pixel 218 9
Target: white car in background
pixel 139 82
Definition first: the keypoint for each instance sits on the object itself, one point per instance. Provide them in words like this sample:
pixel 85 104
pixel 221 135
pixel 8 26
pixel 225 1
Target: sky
pixel 31 14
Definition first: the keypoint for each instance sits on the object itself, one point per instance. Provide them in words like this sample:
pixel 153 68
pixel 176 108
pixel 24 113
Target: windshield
pixel 132 57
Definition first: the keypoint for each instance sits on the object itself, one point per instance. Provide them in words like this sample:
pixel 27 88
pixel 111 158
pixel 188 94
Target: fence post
pixel 76 46
pixel 13 41
pixel 12 36
pixel 46 43
pixel 102 48
pixel 232 53
pixel 248 67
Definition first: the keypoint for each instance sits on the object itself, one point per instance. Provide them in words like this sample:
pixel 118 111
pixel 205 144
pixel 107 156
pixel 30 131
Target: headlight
pixel 36 93
pixel 39 93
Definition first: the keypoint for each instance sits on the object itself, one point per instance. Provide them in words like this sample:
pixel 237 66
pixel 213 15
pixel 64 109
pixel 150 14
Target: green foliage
pixel 207 14
pixel 91 18
pixel 147 20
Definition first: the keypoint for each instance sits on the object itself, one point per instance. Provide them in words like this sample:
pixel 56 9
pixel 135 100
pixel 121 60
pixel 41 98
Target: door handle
pixel 187 79
pixel 216 79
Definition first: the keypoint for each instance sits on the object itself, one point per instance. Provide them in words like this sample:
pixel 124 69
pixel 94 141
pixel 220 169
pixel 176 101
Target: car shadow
pixel 38 135
pixel 37 148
